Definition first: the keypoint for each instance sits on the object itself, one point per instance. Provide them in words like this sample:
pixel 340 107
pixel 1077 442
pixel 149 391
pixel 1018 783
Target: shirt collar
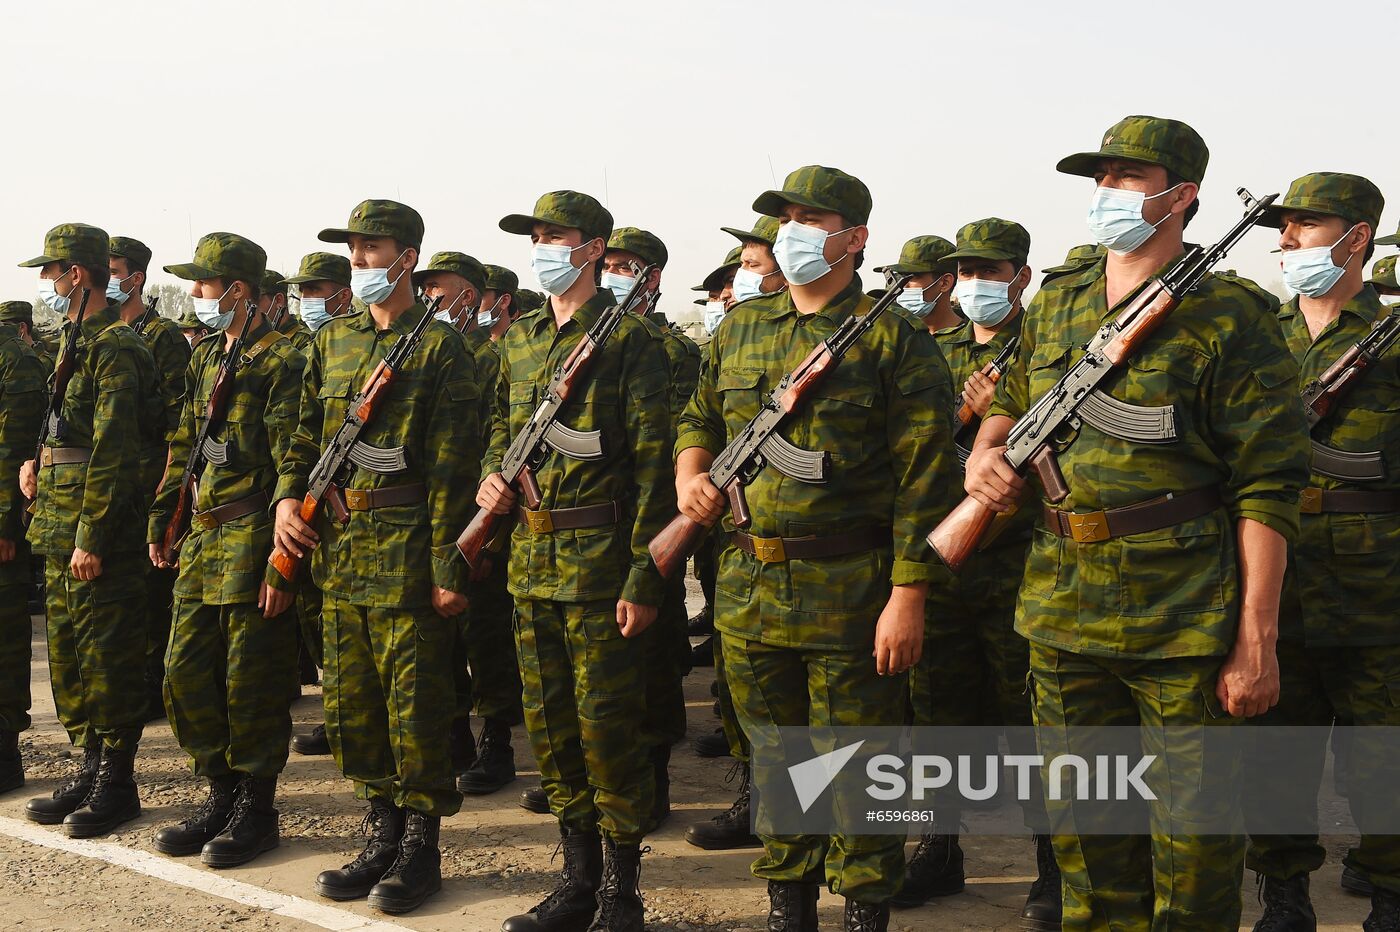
pixel 586 316
pixel 404 323
pixel 846 302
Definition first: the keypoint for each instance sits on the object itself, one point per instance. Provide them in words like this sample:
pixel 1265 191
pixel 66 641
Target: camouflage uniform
pixel 290 326
pixel 230 672
pixel 1339 651
pixel 1383 274
pixel 388 654
pixel 1133 629
pixel 798 634
pixel 584 682
pixel 1077 259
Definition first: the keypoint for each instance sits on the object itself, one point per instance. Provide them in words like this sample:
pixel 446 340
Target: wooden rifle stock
pixel 478 535
pixel 674 545
pixel 957 535
pixel 965 412
pixel 285 564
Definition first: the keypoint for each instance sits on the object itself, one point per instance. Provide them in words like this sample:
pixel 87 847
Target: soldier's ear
pixel 1359 237
pixel 859 234
pixel 1184 196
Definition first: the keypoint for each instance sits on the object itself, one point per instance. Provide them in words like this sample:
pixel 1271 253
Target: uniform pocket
pixel 856 582
pixel 1365 557
pixel 1182 563
pixel 1045 365
pixel 739 388
pixel 403 540
pixel 1042 575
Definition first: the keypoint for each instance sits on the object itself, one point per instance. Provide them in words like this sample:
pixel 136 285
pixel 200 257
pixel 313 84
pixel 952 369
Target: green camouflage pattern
pixel 627 398
pixel 296 331
pixel 682 358
pixel 528 301
pixel 136 253
pixel 171 352
pixel 272 283
pixel 78 243
pixel 1169 143
pixel 820 188
pixel 565 209
pixel 642 244
pixel 1221 360
pixel 1347 595
pixel 1382 275
pixel 189 321
pixel 922 255
pixel 501 279
pixel 322 267
pixel 230 677
pixel 883 415
pixel 1391 240
pixel 765 230
pixel 225 256
pixel 16 312
pixel 728 716
pixel 458 263
pixel 1351 197
pixel 225 565
pixel 1077 258
pixel 379 218
pixel 992 238
pixel 715 280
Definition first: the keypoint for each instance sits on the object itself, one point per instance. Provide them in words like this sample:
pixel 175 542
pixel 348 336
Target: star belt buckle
pixel 205 520
pixel 1090 528
pixel 769 549
pixel 1310 501
pixel 46 456
pixel 357 499
pixel 539 522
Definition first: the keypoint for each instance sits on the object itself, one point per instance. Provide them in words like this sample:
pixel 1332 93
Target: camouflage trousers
pixel 14 652
pixel 788 686
pixel 159 611
pixel 308 609
pixel 484 666
pixel 1320 686
pixel 667 649
pixel 707 566
pixel 728 717
pixel 1130 882
pixel 97 650
pixel 229 677
pixel 584 709
pixel 387 689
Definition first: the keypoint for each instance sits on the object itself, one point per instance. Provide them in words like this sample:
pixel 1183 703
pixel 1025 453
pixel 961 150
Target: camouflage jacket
pixel 683 360
pixel 883 416
pixel 171 352
pixel 1349 581
pixel 100 505
pixel 626 399
pixel 391 557
pixel 1220 360
pixel 293 329
pixel 22 401
pixel 223 566
pixel 488 367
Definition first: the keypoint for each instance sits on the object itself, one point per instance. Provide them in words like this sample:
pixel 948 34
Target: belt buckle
pixel 539 522
pixel 1310 501
pixel 1090 528
pixel 46 456
pixel 769 549
pixel 205 520
pixel 356 499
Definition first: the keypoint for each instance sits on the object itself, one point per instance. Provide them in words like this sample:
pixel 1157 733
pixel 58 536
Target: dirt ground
pixel 497 858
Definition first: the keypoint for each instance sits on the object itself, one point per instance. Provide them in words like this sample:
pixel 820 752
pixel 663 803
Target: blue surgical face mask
pixel 373 285
pixel 114 289
pixel 486 317
pixel 48 293
pixel 1311 272
pixel 207 310
pixel 749 284
pixel 912 300
pixel 619 285
pixel 554 267
pixel 1116 221
pixel 800 250
pixel 714 313
pixel 314 313
pixel 984 301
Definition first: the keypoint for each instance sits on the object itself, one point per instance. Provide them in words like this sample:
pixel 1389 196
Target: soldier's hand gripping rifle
pixel 58 387
pixel 993 370
pixel 1077 397
pixel 1323 395
pixel 205 449
pixel 543 433
pixel 759 444
pixel 332 470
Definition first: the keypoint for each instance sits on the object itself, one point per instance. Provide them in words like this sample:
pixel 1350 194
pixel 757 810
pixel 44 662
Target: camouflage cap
pixel 1391 240
pixel 458 263
pixel 136 253
pixel 992 238
pixel 528 300
pixel 646 246
pixel 224 255
pixel 1169 143
pixel 715 280
pixel 78 243
pixel 322 267
pixel 16 312
pixel 565 209
pixel 1351 197
pixel 272 282
pixel 500 278
pixel 1382 274
pixel 189 321
pixel 820 188
pixel 379 218
pixel 1077 256
pixel 765 230
pixel 924 254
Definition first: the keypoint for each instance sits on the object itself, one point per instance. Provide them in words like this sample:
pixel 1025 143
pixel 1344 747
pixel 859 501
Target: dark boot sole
pixel 533 807
pixel 178 851
pixel 341 894
pixel 902 901
pixel 92 829
pixel 722 844
pixel 472 788
pixel 1038 925
pixel 48 818
pixel 395 906
pixel 314 750
pixel 214 859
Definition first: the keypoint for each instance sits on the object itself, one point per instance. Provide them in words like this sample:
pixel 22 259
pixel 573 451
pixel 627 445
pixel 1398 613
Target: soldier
pixel 499 302
pixel 718 288
pixel 390 578
pixel 1383 278
pixel 483 650
pixel 929 294
pixel 20 315
pixel 273 305
pixel 528 301
pixel 1077 259
pixel 22 398
pixel 759 274
pixel 231 667
pixel 86 523
pixel 1183 636
pixel 128 263
pixel 191 329
pixel 584 584
pixel 1338 650
pixel 855 570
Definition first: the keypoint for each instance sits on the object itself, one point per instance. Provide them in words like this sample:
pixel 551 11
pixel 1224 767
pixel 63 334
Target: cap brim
pixel 745 236
pixel 191 272
pixel 38 262
pixel 334 235
pixel 519 224
pixel 1081 163
pixel 771 203
pixel 1272 217
pixel 303 279
pixel 1391 240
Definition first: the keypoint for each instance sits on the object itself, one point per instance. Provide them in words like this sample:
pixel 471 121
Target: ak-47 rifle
pixel 993 370
pixel 139 325
pixel 1076 397
pixel 1323 395
pixel 58 387
pixel 759 444
pixel 205 449
pixel 275 318
pixel 332 470
pixel 543 433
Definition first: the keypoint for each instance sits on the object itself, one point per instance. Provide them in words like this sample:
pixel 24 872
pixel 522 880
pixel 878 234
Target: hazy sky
pixel 164 120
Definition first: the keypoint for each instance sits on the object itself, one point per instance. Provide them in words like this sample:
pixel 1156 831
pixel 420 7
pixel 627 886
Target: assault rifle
pixel 993 370
pixel 140 324
pixel 1323 395
pixel 58 387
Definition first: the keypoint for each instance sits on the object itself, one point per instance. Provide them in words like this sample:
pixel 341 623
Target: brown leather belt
pixel 1152 515
pixel 570 519
pixel 62 456
pixel 223 514
pixel 780 549
pixel 1316 501
pixel 370 499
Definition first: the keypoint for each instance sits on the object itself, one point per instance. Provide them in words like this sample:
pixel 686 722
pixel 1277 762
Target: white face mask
pixel 801 252
pixel 373 285
pixel 912 300
pixel 1116 221
pixel 619 285
pixel 314 313
pixel 207 310
pixel 985 301
pixel 1311 272
pixel 114 289
pixel 554 268
pixel 486 317
pixel 749 284
pixel 48 293
pixel 714 313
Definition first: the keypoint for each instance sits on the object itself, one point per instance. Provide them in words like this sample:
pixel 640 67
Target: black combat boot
pixel 314 743
pixel 936 869
pixel 1287 906
pixel 416 873
pixel 866 917
pixel 1042 910
pixel 188 837
pixel 715 744
pixel 462 746
pixel 702 625
pixel 495 764
pixel 535 799
pixel 1385 912
pixel 112 799
pixel 51 810
pixel 383 824
pixel 620 906
pixel 792 906
pixel 661 782
pixel 728 829
pixel 251 829
pixel 571 906
pixel 11 763
pixel 1356 882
